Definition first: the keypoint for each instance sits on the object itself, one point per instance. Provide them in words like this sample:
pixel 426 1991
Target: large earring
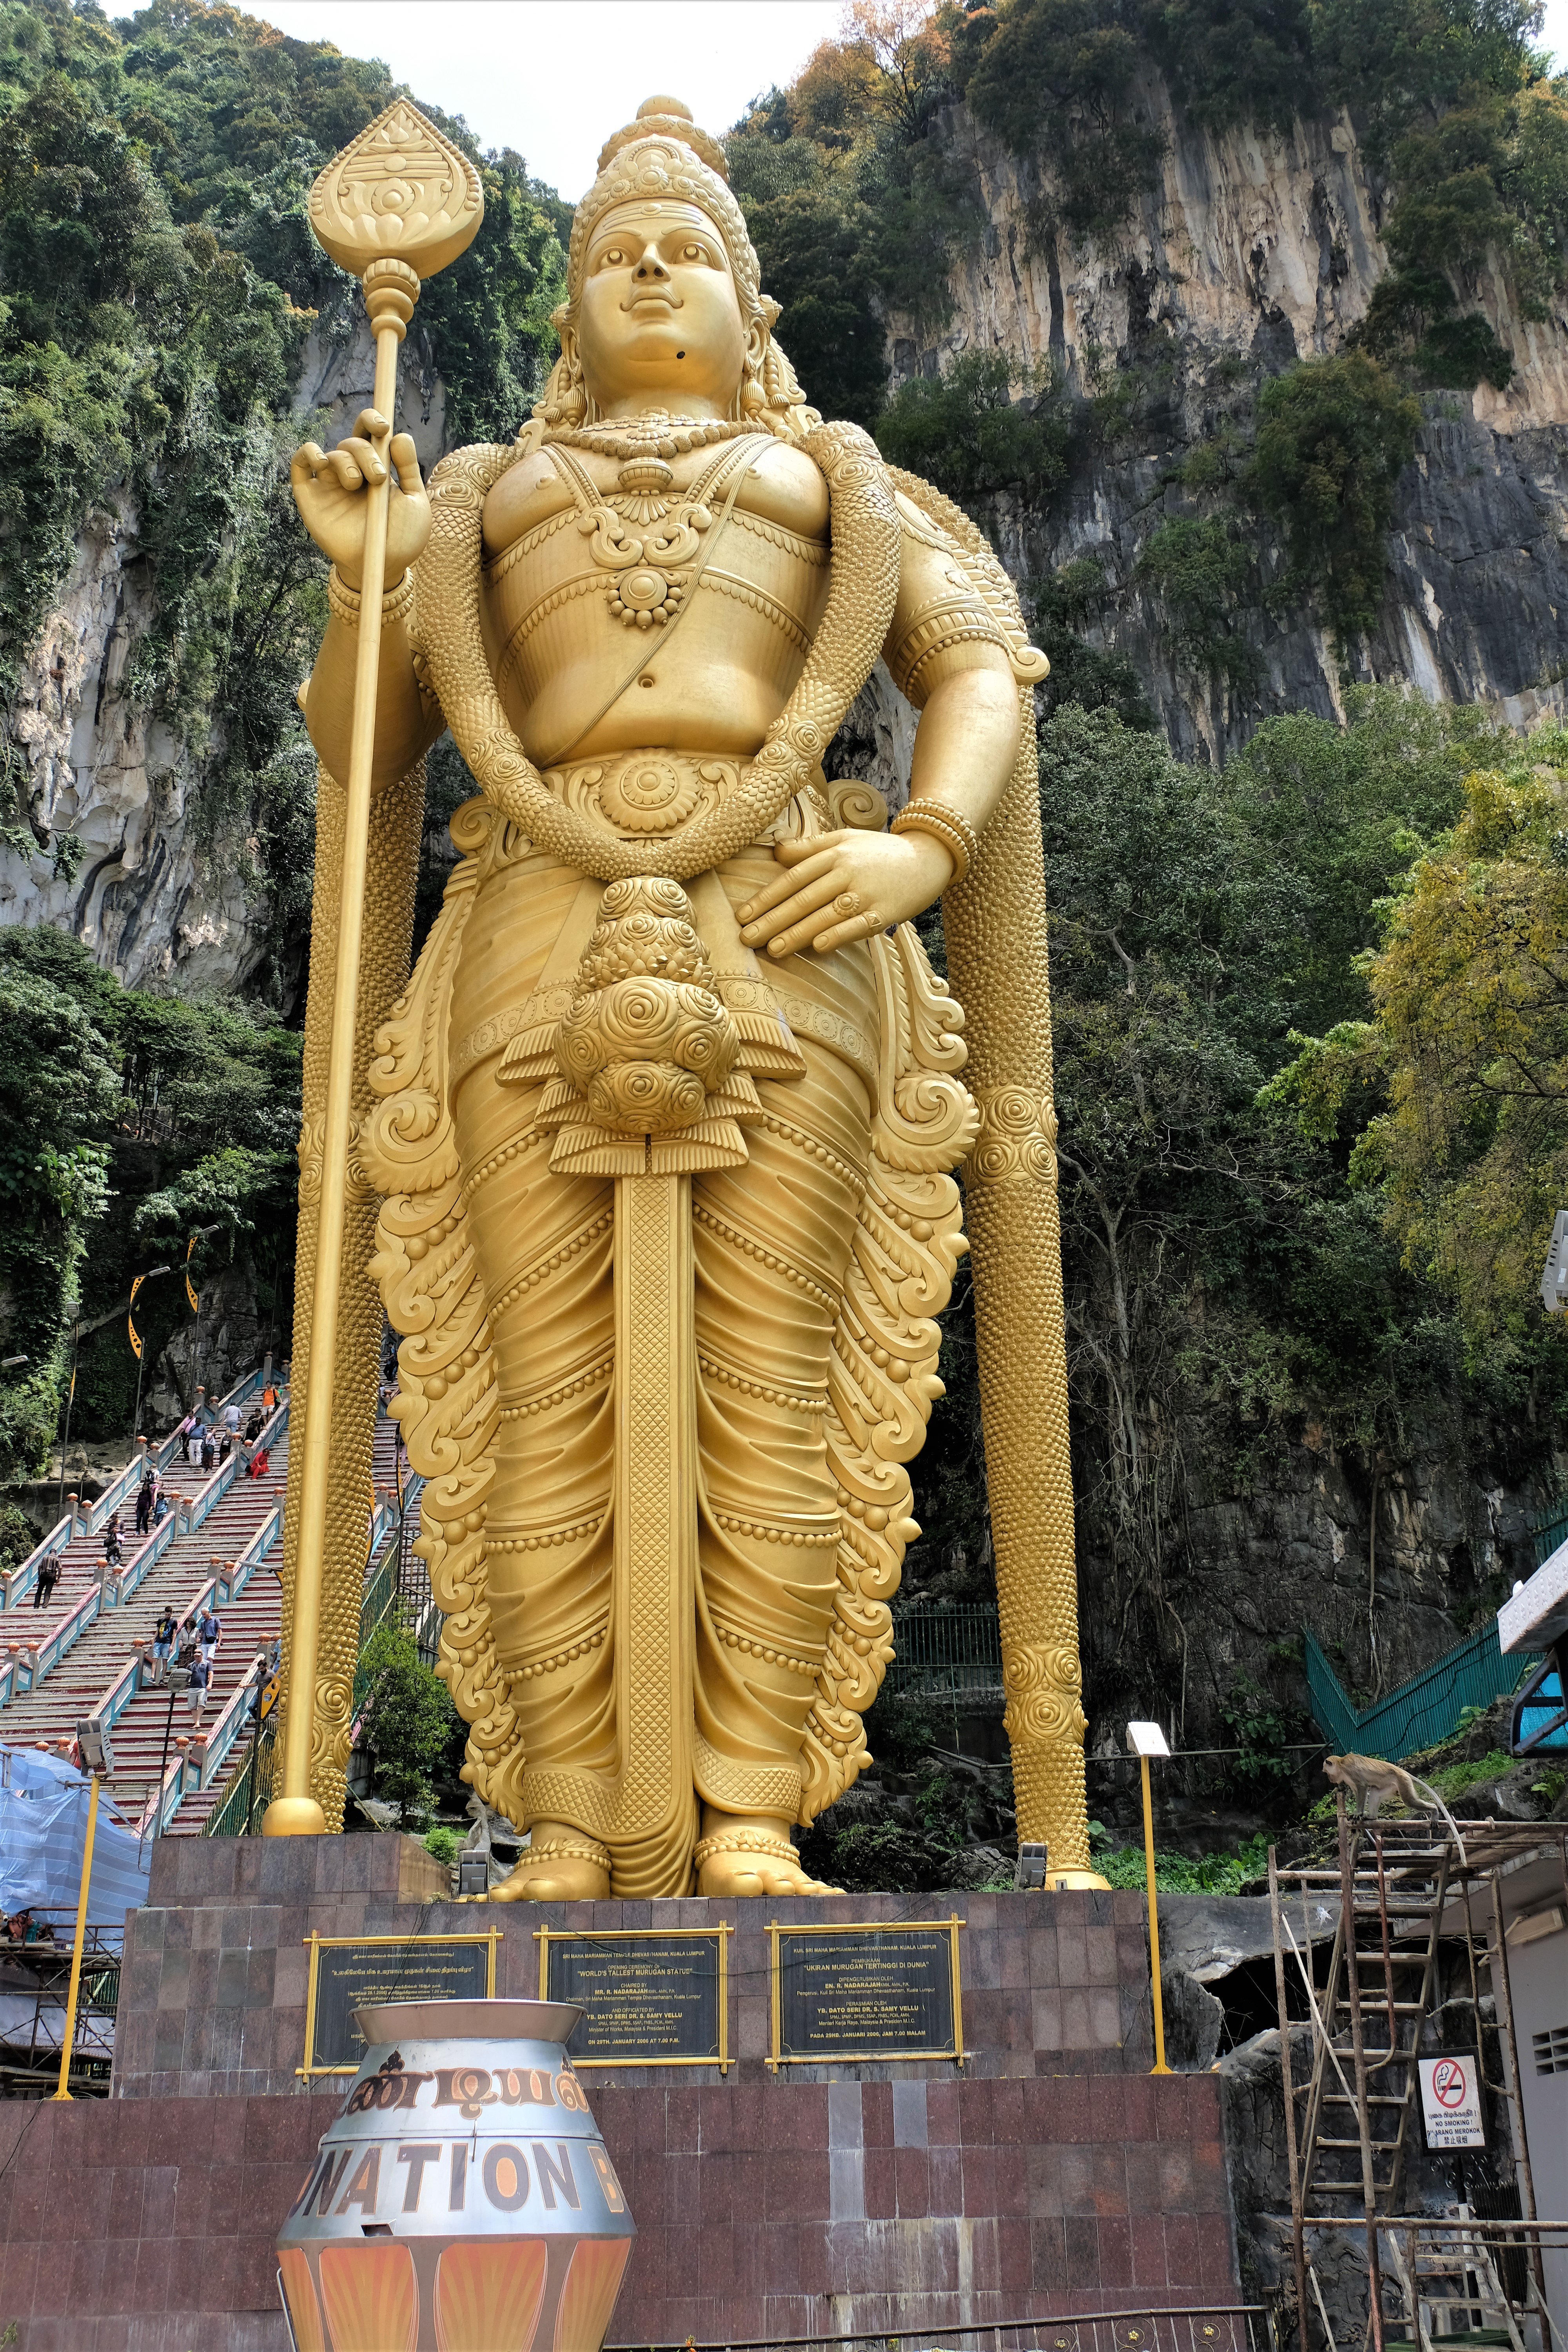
pixel 565 398
pixel 753 395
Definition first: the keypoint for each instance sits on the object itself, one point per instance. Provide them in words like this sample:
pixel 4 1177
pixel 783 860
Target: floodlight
pixel 97 1756
pixel 1032 1865
pixel 1146 1740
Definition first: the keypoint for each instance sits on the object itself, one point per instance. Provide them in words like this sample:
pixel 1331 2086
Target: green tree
pixel 1333 436
pixel 408 1723
pixel 964 432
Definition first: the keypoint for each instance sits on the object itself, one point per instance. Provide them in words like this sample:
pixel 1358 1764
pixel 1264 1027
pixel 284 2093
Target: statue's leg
pixel 544 1246
pixel 772 1241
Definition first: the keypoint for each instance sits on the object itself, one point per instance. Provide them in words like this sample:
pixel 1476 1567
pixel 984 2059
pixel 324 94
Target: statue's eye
pixel 694 253
pixel 613 256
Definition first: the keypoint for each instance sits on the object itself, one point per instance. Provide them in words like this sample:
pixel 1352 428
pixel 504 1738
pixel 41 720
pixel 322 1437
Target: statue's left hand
pixel 840 886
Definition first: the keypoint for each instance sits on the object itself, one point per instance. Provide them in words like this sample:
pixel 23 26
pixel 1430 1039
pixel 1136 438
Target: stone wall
pixel 1050 2174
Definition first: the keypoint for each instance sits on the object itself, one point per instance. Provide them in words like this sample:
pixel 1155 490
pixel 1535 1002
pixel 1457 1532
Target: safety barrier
pixel 1425 1708
pixel 19 1581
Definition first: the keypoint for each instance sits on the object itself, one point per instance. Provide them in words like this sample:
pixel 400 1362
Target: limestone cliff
pixel 158 896
pixel 1256 249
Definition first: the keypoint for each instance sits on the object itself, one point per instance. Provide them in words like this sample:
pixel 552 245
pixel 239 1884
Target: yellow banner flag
pixel 190 1293
pixel 130 1319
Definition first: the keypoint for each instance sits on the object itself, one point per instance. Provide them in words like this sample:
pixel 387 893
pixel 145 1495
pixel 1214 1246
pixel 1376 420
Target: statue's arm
pixel 331 492
pixel 947 654
pixel 406 722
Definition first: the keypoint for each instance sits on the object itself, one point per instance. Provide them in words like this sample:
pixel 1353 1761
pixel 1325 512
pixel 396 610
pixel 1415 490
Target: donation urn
pixel 463 2200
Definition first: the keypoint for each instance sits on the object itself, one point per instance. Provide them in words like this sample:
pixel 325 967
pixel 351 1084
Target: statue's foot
pixel 561 1865
pixel 744 1861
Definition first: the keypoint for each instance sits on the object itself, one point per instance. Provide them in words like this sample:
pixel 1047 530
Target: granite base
pixel 1051 2173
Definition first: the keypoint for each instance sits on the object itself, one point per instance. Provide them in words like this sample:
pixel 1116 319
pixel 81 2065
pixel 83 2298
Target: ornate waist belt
pixel 644 794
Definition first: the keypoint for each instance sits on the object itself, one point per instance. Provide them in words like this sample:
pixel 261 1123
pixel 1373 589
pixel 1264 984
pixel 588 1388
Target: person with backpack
pixel 163 1633
pixel 196 1688
pixel 113 1542
pixel 145 1494
pixel 47 1578
pixel 209 1453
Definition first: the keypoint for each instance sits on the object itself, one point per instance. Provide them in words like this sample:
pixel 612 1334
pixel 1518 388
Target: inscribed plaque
pixel 870 1991
pixel 653 1996
pixel 350 1972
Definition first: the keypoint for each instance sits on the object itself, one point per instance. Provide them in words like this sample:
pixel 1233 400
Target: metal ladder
pixel 1452 2293
pixel 1382 1975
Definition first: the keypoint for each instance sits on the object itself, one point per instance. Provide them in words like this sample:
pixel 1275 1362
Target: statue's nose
pixel 651 265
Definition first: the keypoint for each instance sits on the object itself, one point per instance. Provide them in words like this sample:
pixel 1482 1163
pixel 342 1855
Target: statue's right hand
pixel 331 490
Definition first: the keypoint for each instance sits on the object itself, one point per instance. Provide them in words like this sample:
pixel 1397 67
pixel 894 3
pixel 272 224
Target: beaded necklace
pixel 655 435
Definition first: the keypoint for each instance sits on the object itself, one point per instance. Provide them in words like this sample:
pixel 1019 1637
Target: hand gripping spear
pixel 398 202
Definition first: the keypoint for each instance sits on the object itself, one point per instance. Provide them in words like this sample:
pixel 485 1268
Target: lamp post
pixel 1143 1740
pixel 97 1757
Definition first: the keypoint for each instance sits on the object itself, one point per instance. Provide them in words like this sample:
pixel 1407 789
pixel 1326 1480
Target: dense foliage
pixel 179 1118
pixel 1453 1095
pixel 408 1723
pixel 853 199
pixel 158 286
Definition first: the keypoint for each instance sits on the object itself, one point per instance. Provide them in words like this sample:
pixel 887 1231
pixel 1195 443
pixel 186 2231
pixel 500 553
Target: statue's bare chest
pixel 588 557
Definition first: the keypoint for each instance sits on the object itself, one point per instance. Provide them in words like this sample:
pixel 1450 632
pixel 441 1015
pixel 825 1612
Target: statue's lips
pixel 643 301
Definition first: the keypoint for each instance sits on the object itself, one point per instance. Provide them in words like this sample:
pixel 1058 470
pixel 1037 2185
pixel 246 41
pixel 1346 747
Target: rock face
pixel 148 900
pixel 1257 250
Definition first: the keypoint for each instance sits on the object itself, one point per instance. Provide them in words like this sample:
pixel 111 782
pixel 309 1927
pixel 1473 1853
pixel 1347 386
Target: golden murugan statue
pixel 657 1143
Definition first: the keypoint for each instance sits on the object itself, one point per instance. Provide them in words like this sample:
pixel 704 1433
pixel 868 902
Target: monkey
pixel 1373 1780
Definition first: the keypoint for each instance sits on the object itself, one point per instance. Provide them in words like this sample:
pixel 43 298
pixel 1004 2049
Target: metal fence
pixel 1425 1708
pixel 947 1652
pixel 1550 1529
pixel 249 1793
pixel 1218 2327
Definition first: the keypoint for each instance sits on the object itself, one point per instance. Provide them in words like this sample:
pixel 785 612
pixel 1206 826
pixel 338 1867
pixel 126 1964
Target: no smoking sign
pixel 1451 2100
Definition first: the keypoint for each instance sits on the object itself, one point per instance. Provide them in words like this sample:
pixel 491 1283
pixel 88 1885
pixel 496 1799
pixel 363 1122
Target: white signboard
pixel 1451 2099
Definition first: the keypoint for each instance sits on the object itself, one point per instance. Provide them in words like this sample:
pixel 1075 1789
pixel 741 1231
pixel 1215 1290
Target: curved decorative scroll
pixel 425 1265
pixel 882 1378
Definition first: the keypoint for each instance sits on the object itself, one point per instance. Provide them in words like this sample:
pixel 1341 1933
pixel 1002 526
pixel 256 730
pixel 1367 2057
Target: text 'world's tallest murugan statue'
pixel 658 1143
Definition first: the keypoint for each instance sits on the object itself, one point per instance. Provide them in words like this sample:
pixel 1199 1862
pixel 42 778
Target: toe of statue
pixel 734 1874
pixel 554 1871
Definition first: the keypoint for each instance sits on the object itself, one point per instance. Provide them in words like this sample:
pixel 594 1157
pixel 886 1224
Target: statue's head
pixel 664 305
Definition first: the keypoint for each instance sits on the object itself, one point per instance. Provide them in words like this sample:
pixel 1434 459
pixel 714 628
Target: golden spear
pixel 398 204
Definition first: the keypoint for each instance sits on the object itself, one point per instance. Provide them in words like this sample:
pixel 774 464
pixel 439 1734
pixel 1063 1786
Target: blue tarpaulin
pixel 43 1828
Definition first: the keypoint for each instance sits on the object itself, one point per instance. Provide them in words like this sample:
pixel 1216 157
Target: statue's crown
pixel 672 118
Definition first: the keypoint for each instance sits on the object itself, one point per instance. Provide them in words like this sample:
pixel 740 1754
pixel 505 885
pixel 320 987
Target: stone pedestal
pixel 1050 2174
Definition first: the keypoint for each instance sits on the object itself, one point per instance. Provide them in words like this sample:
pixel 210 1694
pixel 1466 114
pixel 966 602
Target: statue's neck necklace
pixel 655 433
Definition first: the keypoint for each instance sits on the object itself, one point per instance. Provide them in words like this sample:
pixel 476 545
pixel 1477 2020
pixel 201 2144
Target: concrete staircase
pixel 82 1683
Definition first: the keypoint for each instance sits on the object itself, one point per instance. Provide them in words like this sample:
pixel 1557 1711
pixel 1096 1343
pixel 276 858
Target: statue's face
pixel 659 322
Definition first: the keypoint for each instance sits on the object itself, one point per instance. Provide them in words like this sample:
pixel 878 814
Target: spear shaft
pixel 390 298
pixel 399 194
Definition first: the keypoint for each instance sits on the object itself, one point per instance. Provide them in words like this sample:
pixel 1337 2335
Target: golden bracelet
pixel 956 835
pixel 345 602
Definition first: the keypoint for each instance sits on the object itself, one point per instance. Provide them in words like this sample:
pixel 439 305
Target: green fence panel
pixel 946 1650
pixel 1423 1709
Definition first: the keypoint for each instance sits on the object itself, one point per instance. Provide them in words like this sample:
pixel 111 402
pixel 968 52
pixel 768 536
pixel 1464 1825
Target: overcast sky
pixel 553 77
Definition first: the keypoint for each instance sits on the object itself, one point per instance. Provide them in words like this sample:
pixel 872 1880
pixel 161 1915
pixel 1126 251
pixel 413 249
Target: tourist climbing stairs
pixel 213 1546
pixel 1382 1979
pixel 230 1803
